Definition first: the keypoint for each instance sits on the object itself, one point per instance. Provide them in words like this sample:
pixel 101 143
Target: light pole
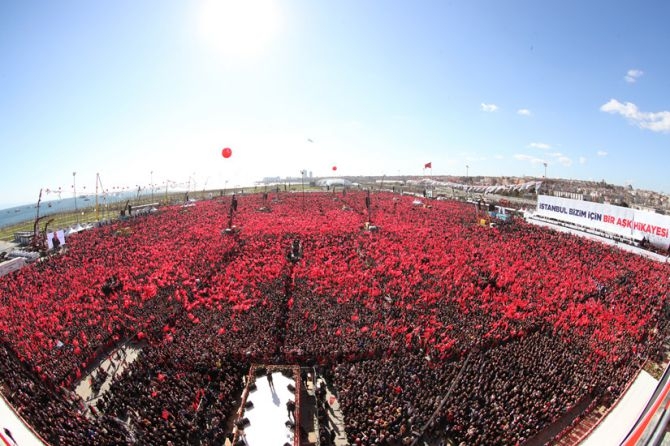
pixel 74 192
pixel 302 182
pixel 545 170
pixel 467 168
pixel 152 186
pixel 167 183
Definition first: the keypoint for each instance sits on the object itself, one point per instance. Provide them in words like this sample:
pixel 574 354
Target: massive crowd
pixel 431 325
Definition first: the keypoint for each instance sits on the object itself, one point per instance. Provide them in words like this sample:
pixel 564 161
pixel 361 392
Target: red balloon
pixel 334 168
pixel 226 152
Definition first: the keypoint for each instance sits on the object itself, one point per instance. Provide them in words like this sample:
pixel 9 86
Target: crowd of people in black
pixel 432 325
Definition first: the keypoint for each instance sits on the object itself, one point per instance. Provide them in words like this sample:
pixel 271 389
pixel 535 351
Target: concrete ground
pixel 7 246
pixel 114 364
pixel 335 416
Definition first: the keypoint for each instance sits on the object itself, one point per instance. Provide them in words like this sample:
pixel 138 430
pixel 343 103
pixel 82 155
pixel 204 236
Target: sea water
pixel 19 214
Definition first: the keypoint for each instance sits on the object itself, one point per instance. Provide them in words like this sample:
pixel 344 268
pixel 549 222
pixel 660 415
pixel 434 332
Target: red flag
pixel 198 396
pixel 428 165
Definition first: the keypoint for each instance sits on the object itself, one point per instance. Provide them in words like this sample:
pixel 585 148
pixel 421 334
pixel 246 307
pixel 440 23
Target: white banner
pixel 10 266
pixel 617 220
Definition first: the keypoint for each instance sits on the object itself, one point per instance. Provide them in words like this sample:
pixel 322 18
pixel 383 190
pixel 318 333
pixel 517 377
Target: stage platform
pixel 20 432
pixel 616 425
pixel 269 415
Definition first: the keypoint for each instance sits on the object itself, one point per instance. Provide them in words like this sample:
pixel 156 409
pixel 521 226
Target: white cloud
pixel 524 112
pixel 632 75
pixel 654 121
pixel 499 157
pixel 601 153
pixel 559 157
pixel 564 160
pixel 530 159
pixel 490 108
pixel 582 160
pixel 539 145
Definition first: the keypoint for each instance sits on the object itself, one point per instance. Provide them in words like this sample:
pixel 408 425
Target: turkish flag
pixel 428 165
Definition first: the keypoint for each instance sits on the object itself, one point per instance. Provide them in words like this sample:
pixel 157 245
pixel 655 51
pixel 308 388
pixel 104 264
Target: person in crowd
pixel 290 409
pixel 270 382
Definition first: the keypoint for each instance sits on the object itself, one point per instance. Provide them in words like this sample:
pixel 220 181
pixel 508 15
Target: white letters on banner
pixel 617 220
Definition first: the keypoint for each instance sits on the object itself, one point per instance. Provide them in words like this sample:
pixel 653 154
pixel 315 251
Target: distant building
pixel 571 195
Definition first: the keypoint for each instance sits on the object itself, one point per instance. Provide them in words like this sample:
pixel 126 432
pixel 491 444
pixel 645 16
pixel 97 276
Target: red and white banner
pixel 626 222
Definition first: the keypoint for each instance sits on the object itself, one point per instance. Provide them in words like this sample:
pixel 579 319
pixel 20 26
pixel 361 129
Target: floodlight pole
pixel 302 182
pixel 74 191
pixel 97 213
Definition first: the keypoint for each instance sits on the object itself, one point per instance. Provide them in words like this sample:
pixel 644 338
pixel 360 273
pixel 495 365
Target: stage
pixel 20 432
pixel 268 416
pixel 616 425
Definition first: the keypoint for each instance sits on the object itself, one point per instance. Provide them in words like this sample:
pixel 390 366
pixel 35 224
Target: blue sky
pixel 125 88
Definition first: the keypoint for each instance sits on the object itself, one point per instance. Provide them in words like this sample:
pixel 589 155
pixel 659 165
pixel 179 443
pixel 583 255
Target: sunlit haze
pixel 128 88
pixel 239 28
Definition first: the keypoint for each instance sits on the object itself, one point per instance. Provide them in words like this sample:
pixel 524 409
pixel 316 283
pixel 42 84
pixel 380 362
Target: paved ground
pixel 309 417
pixel 7 246
pixel 114 364
pixel 335 416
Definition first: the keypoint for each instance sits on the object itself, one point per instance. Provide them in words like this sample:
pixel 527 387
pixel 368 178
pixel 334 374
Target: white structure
pixel 615 427
pixel 331 182
pixel 21 434
pixel 268 417
pixel 624 222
